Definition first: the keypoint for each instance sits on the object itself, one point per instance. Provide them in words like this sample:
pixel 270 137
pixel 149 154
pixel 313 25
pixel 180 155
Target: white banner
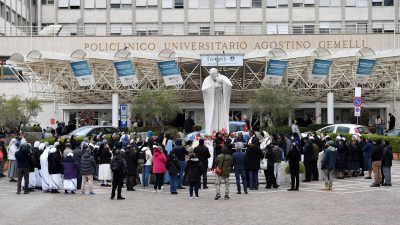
pixel 222 60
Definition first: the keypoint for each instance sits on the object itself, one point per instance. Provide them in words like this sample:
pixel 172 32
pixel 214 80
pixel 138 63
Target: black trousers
pixel 79 179
pixel 204 178
pixel 270 177
pixel 159 181
pixel 23 173
pixel 118 181
pixel 314 169
pixel 130 182
pixel 294 177
pixel 308 165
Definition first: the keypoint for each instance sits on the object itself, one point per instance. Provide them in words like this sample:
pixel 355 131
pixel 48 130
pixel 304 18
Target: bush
pixel 394 141
pixel 278 130
pixel 197 128
pixel 31 129
pixel 302 169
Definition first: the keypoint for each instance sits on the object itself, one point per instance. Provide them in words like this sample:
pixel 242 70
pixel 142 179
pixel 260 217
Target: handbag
pixel 5 165
pixel 264 163
pixel 218 170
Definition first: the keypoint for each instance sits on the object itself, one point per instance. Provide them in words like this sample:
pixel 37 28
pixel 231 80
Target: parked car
pixel 393 133
pixel 92 130
pixel 345 129
pixel 234 126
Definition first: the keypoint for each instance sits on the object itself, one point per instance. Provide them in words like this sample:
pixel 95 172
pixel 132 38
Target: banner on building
pixel 82 73
pixel 275 71
pixel 321 70
pixel 170 72
pixel 216 60
pixel 364 70
pixel 126 73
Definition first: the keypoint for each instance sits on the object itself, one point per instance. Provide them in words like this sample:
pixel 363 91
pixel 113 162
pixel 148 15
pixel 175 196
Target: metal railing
pixel 217 29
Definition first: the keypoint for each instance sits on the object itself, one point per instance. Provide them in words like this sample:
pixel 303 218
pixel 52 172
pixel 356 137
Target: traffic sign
pixel 357 101
pixel 357 111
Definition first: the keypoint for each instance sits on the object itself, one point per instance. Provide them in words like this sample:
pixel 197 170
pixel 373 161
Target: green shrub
pixel 279 130
pixel 302 169
pixel 31 129
pixel 197 128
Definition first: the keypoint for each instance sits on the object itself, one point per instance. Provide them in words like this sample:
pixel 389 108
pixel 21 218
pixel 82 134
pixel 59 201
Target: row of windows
pixel 179 4
pixel 360 27
pixel 11 16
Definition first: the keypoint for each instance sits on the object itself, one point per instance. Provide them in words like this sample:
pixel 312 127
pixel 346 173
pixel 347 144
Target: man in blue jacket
pixel 22 156
pixel 239 165
pixel 328 164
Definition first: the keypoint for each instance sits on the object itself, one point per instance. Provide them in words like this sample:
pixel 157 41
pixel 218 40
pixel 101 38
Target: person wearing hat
pixel 159 161
pixel 12 166
pixel 328 164
pixel 44 165
pixel 70 176
pixel 3 149
pixel 294 158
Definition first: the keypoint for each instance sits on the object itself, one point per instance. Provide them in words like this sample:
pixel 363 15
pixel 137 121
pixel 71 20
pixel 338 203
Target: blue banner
pixel 168 68
pixel 81 68
pixel 321 67
pixel 124 68
pixel 276 67
pixel 365 66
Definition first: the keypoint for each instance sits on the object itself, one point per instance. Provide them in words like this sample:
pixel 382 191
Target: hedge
pixel 394 141
pixel 302 169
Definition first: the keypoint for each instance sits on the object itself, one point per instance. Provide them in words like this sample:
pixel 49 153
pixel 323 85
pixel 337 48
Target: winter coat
pixel 121 165
pixel 307 150
pixel 22 157
pixel 377 152
pixel 54 159
pixel 193 170
pixel 278 152
pixel 105 156
pixel 367 150
pixel 159 161
pixel 12 149
pixel 270 156
pixel 328 162
pixel 78 153
pixel 387 156
pixel 341 162
pixel 148 156
pixel 239 161
pixel 203 154
pixel 172 164
pixel 315 151
pixel 88 164
pixel 36 157
pixel 353 153
pixel 254 155
pixel 70 167
pixel 180 152
pixel 131 162
pixel 225 162
pixel 294 157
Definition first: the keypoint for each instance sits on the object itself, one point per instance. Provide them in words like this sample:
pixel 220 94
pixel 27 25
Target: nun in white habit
pixel 45 169
pixel 38 168
pixel 55 170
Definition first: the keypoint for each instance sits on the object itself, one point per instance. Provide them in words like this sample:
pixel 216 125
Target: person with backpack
pixel 328 164
pixel 173 170
pixel 159 161
pixel 145 158
pixel 118 167
pixel 193 172
pixel 223 163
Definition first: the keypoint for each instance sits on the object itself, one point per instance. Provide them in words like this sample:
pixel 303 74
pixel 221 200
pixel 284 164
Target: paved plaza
pixel 351 202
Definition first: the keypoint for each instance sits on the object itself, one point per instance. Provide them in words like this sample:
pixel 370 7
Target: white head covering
pixel 36 144
pixel 23 141
pixel 13 141
pixel 42 146
pixel 56 144
pixel 52 150
pixel 70 154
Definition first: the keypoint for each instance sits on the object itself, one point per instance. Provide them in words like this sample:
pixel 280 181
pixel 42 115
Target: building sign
pixel 126 73
pixel 357 111
pixel 82 73
pixel 170 72
pixel 364 70
pixel 275 71
pixel 216 60
pixel 320 71
pixel 123 115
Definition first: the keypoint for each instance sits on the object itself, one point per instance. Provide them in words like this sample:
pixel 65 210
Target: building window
pixel 219 4
pixel 362 27
pixel 382 2
pixel 297 29
pixel 309 29
pixel 282 3
pixel 178 4
pixel 204 30
pixel 257 3
pixel 115 6
pixel 389 2
pixel 47 2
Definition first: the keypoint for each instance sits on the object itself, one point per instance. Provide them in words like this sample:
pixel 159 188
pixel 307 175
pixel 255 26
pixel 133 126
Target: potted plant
pixel 286 179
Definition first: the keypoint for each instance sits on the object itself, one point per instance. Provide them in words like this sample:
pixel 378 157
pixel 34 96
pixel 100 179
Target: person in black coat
pixel 270 176
pixel 352 158
pixel 118 166
pixel 294 158
pixel 23 161
pixel 253 155
pixel 376 159
pixel 387 157
pixel 203 154
pixel 131 165
pixel 173 170
pixel 55 170
pixel 78 153
pixel 193 170
pixel 341 162
pixel 307 150
pixel 218 145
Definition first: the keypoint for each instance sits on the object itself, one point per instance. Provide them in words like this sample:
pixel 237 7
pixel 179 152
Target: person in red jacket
pixel 159 161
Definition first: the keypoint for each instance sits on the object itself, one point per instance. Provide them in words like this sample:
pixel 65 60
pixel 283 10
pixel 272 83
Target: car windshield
pixel 236 127
pixel 81 131
pixel 394 133
pixel 363 130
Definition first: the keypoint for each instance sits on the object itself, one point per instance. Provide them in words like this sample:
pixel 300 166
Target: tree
pixel 159 105
pixel 276 102
pixel 17 112
pixel 362 120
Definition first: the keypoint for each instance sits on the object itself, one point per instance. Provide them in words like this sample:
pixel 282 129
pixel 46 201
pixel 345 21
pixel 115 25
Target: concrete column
pixel 39 15
pixel 115 109
pixel 318 118
pixel 186 17
pixel 212 21
pixel 330 108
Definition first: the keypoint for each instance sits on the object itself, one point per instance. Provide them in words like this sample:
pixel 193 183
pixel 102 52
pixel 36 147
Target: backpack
pixel 115 165
pixel 142 157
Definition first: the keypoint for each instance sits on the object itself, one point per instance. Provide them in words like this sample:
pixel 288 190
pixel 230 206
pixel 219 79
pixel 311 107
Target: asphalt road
pixel 352 202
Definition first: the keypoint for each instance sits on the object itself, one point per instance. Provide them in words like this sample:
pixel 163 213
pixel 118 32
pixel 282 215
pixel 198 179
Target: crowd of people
pixel 70 166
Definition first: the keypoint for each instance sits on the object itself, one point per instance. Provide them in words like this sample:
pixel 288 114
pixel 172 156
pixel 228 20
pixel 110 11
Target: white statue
pixel 217 96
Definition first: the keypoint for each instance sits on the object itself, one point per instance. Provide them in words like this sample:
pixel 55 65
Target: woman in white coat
pixel 13 166
pixel 45 169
